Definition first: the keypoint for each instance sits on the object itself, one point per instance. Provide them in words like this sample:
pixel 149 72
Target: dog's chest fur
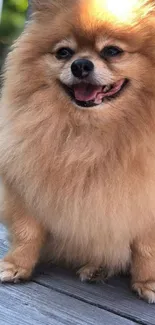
pixel 85 198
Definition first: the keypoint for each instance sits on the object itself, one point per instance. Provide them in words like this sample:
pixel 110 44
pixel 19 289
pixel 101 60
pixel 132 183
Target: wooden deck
pixel 56 297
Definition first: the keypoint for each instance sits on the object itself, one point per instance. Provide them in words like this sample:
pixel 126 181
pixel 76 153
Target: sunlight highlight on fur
pixel 123 11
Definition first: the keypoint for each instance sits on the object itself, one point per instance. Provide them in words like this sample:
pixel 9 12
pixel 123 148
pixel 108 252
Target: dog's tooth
pixel 106 88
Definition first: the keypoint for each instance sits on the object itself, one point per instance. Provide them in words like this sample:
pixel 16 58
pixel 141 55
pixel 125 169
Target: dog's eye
pixel 110 52
pixel 64 53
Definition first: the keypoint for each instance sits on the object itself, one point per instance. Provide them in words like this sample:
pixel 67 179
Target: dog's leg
pixel 26 238
pixel 143 267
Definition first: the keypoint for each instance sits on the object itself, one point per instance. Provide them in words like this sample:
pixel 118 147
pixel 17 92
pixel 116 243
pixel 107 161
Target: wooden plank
pixel 35 304
pixel 114 297
pixel 32 303
pixel 3 241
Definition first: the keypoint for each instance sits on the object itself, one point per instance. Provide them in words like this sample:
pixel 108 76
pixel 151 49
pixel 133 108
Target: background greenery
pixel 12 23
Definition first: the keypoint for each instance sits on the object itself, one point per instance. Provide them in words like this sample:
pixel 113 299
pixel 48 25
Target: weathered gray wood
pixel 33 303
pixel 114 296
pixel 61 286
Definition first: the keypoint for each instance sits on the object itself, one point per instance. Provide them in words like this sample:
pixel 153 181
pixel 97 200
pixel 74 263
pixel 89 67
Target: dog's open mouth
pixel 89 95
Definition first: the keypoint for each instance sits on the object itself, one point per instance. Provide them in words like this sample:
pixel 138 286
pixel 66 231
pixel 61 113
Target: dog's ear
pixel 39 5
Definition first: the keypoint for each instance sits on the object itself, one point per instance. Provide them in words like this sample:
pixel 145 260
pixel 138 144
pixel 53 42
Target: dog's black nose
pixel 82 68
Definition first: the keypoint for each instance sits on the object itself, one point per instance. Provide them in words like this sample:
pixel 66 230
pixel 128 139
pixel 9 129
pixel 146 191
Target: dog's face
pixel 94 62
pixel 92 74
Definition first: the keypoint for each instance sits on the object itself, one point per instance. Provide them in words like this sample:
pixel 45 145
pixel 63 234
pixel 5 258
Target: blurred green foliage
pixel 13 18
pixel 12 22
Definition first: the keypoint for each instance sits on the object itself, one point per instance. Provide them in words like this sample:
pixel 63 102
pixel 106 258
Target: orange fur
pixel 83 177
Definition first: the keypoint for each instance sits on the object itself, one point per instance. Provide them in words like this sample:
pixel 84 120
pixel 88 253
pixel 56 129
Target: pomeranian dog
pixel 77 141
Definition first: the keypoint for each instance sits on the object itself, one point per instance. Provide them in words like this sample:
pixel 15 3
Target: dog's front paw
pixel 145 290
pixel 10 272
pixel 90 273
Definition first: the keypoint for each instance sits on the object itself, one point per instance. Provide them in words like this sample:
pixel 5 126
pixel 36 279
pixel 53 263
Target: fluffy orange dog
pixel 77 141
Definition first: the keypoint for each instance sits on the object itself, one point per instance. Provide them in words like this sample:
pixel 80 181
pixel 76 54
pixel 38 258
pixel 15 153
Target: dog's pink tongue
pixel 86 92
